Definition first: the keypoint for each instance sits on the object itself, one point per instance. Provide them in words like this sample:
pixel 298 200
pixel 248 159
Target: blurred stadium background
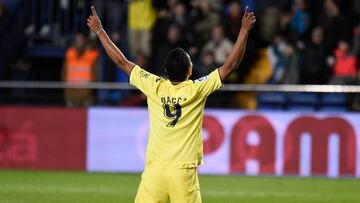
pixel 288 118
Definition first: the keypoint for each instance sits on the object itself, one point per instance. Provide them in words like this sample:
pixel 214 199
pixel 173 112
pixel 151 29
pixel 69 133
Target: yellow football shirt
pixel 141 14
pixel 176 115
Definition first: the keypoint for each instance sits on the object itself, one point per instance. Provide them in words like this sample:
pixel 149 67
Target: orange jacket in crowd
pixel 80 69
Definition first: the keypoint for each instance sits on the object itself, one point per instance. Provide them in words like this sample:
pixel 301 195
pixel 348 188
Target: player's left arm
pixel 114 53
pixel 236 55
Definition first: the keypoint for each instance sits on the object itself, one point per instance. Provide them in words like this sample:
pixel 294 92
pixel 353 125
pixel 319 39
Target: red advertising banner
pixel 236 142
pixel 43 138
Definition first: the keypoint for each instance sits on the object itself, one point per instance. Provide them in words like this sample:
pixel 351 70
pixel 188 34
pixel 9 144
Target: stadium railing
pixel 304 98
pixel 227 87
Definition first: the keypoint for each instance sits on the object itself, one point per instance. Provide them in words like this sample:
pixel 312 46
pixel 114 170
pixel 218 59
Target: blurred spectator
pixel 141 18
pixel 169 4
pixel 355 7
pixel 220 45
pixel 269 23
pixel 232 20
pixel 182 20
pixel 314 29
pixel 168 19
pixel 112 13
pixel 335 25
pixel 216 5
pixel 206 65
pixel 159 33
pixel 345 66
pixel 301 19
pixel 314 68
pixel 356 48
pixel 173 39
pixel 259 73
pixel 277 58
pixel 80 68
pixel 285 24
pixel 291 65
pixel 261 4
pixel 204 20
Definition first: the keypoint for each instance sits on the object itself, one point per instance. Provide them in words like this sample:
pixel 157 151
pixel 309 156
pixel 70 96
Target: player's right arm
pixel 114 53
pixel 236 55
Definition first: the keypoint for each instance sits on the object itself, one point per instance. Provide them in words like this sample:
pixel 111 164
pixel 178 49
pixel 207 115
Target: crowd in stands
pixel 293 42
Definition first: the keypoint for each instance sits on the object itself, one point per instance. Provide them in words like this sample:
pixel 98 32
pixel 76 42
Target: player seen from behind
pixel 176 107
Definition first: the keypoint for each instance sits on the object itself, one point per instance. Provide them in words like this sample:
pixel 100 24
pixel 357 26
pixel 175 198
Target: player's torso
pixel 176 113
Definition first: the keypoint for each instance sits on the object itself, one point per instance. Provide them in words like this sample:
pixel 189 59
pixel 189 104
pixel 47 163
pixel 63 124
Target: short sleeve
pixel 143 80
pixel 209 84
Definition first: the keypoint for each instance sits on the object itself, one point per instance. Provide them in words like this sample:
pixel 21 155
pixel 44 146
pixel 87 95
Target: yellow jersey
pixel 176 115
pixel 141 15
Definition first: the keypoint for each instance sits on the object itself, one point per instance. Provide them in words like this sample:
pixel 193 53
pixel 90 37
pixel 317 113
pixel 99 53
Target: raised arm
pixel 114 53
pixel 236 55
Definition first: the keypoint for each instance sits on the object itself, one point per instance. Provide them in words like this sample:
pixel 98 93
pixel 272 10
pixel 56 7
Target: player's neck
pixel 177 82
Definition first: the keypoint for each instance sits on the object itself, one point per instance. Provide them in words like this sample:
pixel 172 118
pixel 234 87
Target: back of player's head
pixel 177 65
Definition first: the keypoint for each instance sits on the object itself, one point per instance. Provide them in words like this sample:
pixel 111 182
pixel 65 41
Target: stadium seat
pixel 333 108
pixel 270 107
pixel 266 98
pixel 334 99
pixel 271 101
pixel 333 102
pixel 303 98
pixel 301 108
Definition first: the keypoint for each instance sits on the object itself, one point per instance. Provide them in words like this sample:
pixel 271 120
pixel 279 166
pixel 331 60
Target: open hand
pixel 94 22
pixel 248 20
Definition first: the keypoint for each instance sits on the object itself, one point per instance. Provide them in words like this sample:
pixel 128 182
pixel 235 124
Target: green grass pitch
pixel 64 187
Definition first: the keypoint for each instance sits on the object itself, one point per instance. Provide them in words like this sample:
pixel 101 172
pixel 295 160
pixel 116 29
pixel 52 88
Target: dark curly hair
pixel 177 65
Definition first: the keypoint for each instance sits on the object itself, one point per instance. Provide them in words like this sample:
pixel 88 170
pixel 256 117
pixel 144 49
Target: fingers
pixel 91 18
pixel 248 14
pixel 246 11
pixel 251 16
pixel 93 10
pixel 90 21
pixel 253 20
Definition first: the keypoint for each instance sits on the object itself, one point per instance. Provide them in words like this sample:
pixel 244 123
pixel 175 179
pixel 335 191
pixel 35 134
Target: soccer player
pixel 176 107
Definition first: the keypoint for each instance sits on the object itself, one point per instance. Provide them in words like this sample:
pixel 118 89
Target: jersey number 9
pixel 172 112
